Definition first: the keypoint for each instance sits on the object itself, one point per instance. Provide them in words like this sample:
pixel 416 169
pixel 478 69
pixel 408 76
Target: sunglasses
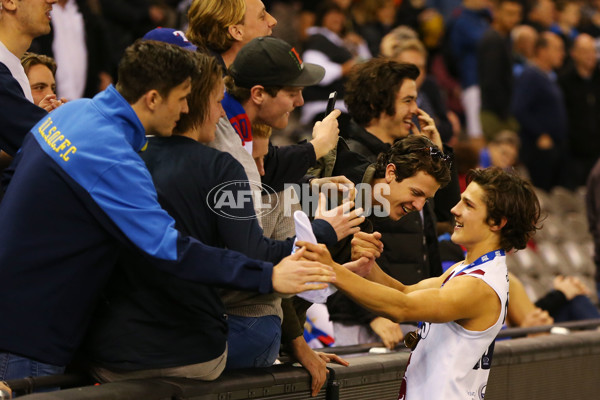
pixel 437 154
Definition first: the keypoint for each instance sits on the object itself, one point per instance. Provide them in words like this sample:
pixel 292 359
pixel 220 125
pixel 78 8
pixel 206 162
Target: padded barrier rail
pixel 545 367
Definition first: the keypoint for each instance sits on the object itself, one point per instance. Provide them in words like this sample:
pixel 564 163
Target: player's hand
pixel 389 331
pixel 366 245
pixel 292 275
pixel 361 267
pixel 316 252
pixel 319 253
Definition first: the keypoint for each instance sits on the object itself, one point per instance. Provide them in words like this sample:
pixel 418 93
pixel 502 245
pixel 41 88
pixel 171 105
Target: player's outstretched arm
pixel 369 245
pixel 464 298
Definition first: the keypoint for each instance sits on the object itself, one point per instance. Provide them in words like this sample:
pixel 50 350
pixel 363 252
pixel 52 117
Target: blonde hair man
pixel 224 27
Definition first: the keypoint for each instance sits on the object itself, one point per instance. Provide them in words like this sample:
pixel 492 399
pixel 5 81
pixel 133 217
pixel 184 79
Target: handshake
pixel 312 268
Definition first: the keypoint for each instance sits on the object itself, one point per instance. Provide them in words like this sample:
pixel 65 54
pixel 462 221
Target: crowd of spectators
pixel 508 83
pixel 474 52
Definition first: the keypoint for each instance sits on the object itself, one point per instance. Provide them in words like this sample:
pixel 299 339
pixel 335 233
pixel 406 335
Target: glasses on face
pixel 437 154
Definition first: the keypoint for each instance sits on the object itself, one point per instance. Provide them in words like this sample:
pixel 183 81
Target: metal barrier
pixel 546 367
pixel 572 325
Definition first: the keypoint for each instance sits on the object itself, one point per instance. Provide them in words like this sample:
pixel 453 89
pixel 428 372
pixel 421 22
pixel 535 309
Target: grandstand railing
pixel 545 367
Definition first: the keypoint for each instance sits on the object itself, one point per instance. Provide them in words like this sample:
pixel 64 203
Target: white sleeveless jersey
pixel 451 362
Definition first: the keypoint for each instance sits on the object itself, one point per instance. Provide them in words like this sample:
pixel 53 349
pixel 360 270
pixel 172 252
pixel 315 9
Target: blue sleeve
pixel 196 261
pixel 126 194
pixel 17 114
pixel 467 33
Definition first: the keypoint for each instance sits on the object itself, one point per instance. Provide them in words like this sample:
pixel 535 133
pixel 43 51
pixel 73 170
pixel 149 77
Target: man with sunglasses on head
pixel 381 98
pixel 464 309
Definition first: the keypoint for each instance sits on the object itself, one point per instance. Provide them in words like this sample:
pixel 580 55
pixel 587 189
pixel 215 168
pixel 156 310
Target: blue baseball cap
pixel 169 35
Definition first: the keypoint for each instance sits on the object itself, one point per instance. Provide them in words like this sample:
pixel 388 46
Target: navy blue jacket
pixel 17 114
pixel 149 319
pixel 538 104
pixel 465 34
pixel 78 195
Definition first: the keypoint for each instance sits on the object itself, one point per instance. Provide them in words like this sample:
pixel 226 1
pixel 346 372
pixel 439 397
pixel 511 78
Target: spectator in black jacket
pixel 495 69
pixel 580 85
pixel 538 104
pixel 429 99
pixel 353 324
pixel 382 99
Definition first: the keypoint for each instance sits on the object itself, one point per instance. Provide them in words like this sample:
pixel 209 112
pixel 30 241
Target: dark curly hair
pixel 508 196
pixel 413 154
pixel 372 88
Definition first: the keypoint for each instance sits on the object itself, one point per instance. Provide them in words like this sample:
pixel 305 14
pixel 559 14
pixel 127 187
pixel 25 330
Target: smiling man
pixel 400 180
pixel 381 95
pixel 463 310
pixel 264 86
pixel 267 79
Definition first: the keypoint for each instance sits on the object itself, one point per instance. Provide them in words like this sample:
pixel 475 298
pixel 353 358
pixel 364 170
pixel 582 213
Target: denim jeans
pixel 579 308
pixel 253 341
pixel 13 366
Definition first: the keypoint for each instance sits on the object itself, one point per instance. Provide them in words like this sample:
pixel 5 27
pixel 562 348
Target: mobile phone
pixel 331 102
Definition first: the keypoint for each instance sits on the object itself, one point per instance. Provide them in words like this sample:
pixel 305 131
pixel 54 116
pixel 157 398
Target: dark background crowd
pixel 527 67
